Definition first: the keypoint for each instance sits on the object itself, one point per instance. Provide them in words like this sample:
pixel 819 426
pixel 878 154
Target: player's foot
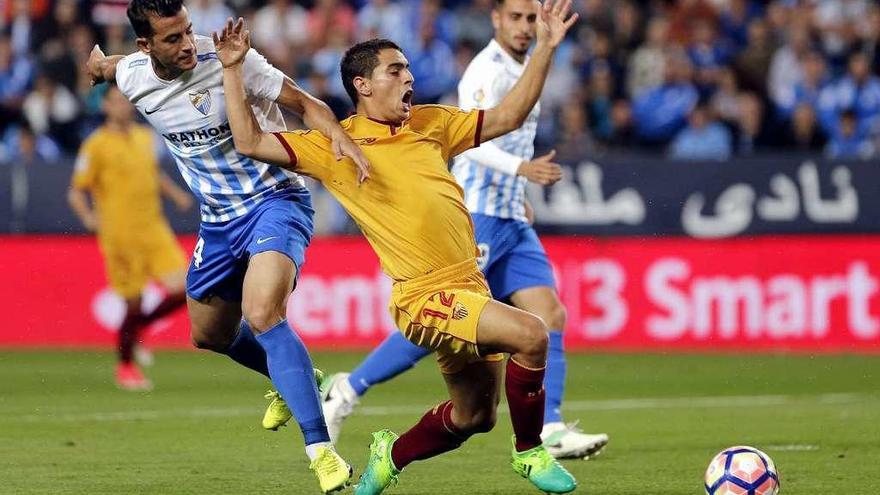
pixel 567 441
pixel 129 377
pixel 543 470
pixel 339 400
pixel 332 471
pixel 278 414
pixel 143 356
pixel 380 472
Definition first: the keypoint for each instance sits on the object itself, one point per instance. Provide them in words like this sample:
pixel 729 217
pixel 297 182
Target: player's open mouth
pixel 407 100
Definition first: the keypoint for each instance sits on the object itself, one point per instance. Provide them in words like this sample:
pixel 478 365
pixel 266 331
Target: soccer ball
pixel 742 471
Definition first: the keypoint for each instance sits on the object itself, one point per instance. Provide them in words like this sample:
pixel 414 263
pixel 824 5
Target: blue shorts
pixel 281 222
pixel 511 256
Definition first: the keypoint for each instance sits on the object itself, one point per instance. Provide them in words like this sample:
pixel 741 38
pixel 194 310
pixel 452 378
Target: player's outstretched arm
pixel 100 67
pixel 232 45
pixel 553 23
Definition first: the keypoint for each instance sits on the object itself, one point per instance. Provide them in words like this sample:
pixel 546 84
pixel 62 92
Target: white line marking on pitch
pixel 792 448
pixel 740 401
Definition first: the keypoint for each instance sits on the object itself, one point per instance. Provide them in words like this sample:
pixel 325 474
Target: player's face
pixel 172 44
pixel 116 107
pixel 392 86
pixel 515 26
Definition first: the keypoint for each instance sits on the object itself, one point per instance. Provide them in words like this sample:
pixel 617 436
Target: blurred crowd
pixel 693 79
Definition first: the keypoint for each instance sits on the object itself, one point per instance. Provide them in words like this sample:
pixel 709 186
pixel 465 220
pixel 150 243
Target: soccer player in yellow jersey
pixel 411 210
pixel 118 168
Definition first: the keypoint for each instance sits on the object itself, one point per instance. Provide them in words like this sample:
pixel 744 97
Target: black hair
pixel 360 60
pixel 139 12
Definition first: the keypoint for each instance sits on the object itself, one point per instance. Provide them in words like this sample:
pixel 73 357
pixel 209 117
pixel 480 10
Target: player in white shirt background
pixel 512 258
pixel 256 218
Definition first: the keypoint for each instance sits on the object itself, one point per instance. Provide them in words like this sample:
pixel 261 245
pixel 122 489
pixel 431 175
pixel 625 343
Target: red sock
pixel 433 435
pixel 166 307
pixel 128 335
pixel 525 397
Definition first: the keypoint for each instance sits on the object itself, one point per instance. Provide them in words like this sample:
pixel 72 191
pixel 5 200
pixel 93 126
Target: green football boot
pixel 380 472
pixel 278 414
pixel 542 470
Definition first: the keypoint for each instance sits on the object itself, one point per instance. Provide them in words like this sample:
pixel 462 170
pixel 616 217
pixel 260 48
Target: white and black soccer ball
pixel 742 470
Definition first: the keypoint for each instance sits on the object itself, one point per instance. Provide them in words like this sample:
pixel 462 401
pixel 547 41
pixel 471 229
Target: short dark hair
pixel 360 60
pixel 140 10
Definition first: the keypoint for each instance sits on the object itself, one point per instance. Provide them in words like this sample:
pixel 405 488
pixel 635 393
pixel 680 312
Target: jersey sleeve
pixel 460 128
pixel 85 171
pixel 261 79
pixel 126 70
pixel 309 153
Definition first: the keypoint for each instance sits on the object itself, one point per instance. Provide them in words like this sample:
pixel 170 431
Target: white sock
pixel 347 391
pixel 312 450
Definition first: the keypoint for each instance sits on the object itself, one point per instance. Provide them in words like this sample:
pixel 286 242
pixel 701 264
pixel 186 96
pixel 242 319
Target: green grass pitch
pixel 65 429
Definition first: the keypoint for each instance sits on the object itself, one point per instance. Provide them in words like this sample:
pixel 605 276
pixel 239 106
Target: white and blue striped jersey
pixel 190 114
pixel 487 191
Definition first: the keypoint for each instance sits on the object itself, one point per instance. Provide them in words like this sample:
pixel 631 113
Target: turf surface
pixel 65 429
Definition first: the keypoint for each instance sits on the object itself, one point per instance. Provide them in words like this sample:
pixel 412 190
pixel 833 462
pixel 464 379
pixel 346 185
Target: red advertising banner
pixel 799 293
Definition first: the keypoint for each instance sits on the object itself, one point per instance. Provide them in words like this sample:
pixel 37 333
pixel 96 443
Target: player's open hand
pixel 541 170
pixel 232 43
pixel 93 65
pixel 342 145
pixel 554 22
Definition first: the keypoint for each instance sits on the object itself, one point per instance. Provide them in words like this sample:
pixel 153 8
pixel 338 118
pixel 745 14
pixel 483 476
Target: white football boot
pixel 567 441
pixel 338 401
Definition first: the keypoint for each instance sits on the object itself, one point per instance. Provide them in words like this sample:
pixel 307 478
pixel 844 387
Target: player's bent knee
pixel 479 422
pixel 534 339
pixel 208 342
pixel 262 317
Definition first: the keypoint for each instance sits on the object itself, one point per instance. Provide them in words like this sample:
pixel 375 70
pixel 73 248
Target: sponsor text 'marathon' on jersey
pixel 190 114
pixel 488 78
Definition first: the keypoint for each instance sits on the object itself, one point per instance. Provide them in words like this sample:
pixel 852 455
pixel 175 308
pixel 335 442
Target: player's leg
pixel 563 441
pixel 128 375
pixel 544 303
pixel 213 287
pixel 474 392
pixel 524 337
pixel 268 282
pixel 274 241
pixel 126 274
pixel 216 325
pixel 174 284
pixel 525 278
pixel 342 391
pixel 167 265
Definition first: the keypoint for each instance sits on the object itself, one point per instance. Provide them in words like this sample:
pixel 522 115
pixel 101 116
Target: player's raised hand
pixel 232 43
pixel 554 22
pixel 342 145
pixel 94 66
pixel 541 170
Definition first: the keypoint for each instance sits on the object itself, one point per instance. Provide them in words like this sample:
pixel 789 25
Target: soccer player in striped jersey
pixel 413 214
pixel 256 217
pixel 493 177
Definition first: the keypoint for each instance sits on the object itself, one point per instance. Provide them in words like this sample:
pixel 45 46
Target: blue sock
pixel 246 351
pixel 290 368
pixel 393 356
pixel 554 379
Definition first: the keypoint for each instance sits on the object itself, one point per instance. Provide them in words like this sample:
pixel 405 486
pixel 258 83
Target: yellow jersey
pixel 411 209
pixel 121 171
